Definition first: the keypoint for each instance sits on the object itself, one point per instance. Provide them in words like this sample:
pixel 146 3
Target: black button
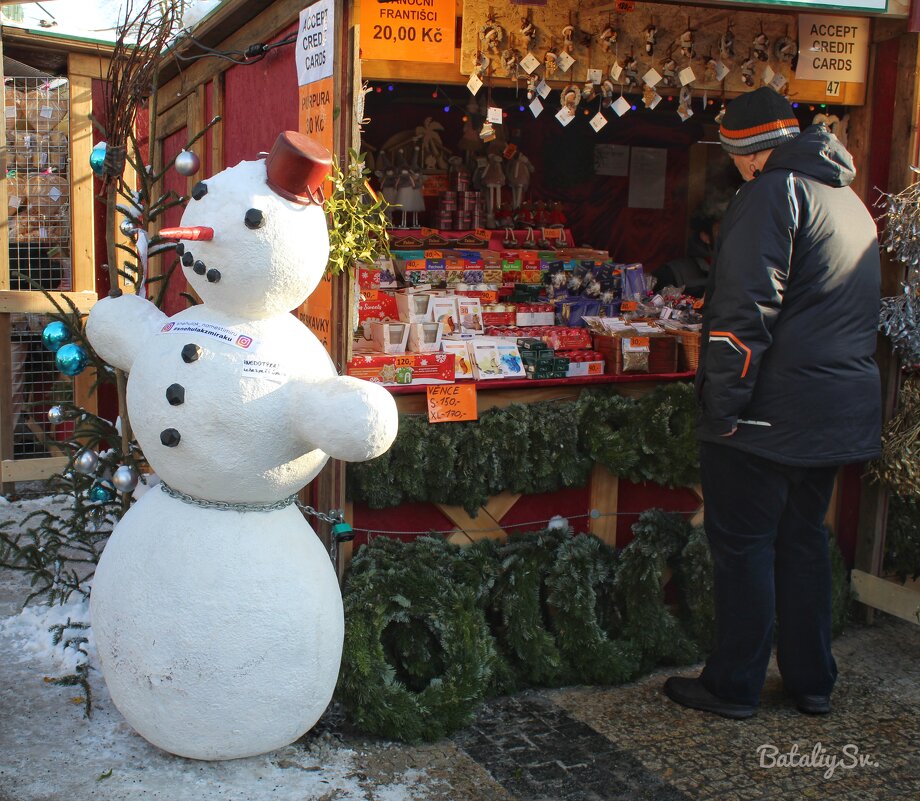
pixel 180 248
pixel 190 353
pixel 199 190
pixel 175 394
pixel 188 259
pixel 170 437
pixel 199 267
pixel 213 276
pixel 254 219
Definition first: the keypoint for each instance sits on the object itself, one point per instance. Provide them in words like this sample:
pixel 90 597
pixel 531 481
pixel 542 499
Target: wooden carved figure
pixel 519 171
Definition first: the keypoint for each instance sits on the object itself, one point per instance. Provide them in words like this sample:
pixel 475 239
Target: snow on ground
pixel 49 750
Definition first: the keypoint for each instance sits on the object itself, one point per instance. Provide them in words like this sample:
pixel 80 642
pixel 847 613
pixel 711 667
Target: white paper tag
pixel 529 63
pixel 564 61
pixel 43 159
pixel 684 112
pixel 46 112
pixel 494 115
pixel 14 201
pixel 721 71
pixel 543 89
pixel 255 366
pixel 778 82
pixel 616 71
pixel 686 75
pixel 621 105
pixel 54 193
pixel 42 233
pixel 595 76
pixel 768 74
pixel 474 84
pixel 598 121
pixel 652 77
pixel 564 116
pixel 653 101
pixel 10 112
pixel 536 107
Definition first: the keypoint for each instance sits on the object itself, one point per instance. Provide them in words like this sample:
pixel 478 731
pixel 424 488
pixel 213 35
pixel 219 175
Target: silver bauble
pixel 56 415
pixel 187 163
pixel 125 478
pixel 86 461
pixel 127 227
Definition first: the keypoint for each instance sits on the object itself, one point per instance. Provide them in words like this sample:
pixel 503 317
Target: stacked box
pixel 410 368
pixel 583 362
pixel 535 314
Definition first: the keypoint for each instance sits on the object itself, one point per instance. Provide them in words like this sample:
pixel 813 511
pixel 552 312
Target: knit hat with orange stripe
pixel 759 120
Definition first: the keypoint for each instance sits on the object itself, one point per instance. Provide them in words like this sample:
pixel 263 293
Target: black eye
pixel 199 190
pixel 254 219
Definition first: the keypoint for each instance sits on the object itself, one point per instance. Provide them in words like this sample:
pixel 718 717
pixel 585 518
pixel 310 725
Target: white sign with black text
pixel 833 49
pixel 315 42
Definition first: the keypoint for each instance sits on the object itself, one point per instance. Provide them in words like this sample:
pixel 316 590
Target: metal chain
pixel 226 506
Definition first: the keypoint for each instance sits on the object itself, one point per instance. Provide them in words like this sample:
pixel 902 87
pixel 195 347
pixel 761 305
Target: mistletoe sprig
pixel 357 218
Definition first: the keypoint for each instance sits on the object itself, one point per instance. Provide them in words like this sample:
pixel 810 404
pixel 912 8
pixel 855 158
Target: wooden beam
pixel 605 493
pixel 31 469
pixel 217 132
pixel 482 527
pixel 28 302
pixel 886 596
pixel 88 66
pixel 82 202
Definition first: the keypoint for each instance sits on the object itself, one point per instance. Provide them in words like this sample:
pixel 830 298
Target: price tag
pixel 474 84
pixel 595 76
pixel 686 75
pixel 621 106
pixel 595 368
pixel 652 77
pixel 536 107
pixel 832 89
pixel 698 304
pixel 543 89
pixel 598 121
pixel 616 71
pixel 628 305
pixel 494 115
pixel 483 233
pixel 426 37
pixel 529 63
pixel 564 61
pixel 720 70
pixel 778 82
pixel 625 6
pixel 564 116
pixel 428 232
pixel 768 74
pixel 451 403
pixel 635 344
pixel 553 233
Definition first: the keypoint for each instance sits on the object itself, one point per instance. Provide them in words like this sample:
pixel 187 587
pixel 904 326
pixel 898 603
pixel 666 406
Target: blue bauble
pixel 55 334
pixel 101 494
pixel 97 157
pixel 71 359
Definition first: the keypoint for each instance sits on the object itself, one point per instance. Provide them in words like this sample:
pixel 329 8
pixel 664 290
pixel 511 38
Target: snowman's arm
pixel 350 419
pixel 118 328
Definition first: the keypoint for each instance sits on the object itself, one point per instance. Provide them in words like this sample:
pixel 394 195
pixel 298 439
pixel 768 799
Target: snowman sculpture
pixel 215 608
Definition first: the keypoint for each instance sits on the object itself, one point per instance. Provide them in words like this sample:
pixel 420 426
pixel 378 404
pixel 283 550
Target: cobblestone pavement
pixel 630 743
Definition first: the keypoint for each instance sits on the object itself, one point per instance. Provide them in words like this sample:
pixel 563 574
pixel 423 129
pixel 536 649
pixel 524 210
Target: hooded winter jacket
pixel 789 325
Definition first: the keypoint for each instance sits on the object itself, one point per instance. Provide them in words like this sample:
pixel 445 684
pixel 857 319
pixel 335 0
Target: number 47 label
pixel 832 89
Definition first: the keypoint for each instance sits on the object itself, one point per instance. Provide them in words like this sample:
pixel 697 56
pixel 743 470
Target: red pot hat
pixel 297 167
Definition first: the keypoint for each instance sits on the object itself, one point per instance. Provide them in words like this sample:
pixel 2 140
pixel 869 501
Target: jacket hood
pixel 815 152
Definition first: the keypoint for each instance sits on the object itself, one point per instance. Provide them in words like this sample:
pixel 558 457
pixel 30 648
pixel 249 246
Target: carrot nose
pixel 194 233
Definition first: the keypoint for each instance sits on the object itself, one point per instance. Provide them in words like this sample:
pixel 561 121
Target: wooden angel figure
pixel 550 63
pixel 528 32
pixel 747 71
pixel 510 61
pixel 684 99
pixel 568 38
pixel 668 71
pixel 760 45
pixel 631 71
pixel 589 91
pixel 492 35
pixel 409 195
pixel 493 179
pixel 607 90
pixel 786 48
pixel 727 42
pixel 519 170
pixel 571 97
pixel 532 81
pixel 608 37
pixel 651 38
pixel 685 42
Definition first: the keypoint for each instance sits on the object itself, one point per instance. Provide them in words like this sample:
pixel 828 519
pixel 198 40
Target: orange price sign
pixel 628 305
pixel 423 232
pixel 483 233
pixel 552 233
pixel 595 368
pixel 396 32
pixel 638 342
pixel 450 403
pixel 698 304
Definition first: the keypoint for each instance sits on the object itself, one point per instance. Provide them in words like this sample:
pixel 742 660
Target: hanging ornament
pixel 55 334
pixel 125 478
pixel 71 359
pixel 101 494
pixel 97 157
pixel 127 228
pixel 56 415
pixel 86 461
pixel 95 517
pixel 187 163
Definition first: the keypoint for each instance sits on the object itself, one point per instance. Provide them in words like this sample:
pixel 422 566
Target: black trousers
pixel 765 525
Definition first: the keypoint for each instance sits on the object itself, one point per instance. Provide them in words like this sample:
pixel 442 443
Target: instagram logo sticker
pixel 243 341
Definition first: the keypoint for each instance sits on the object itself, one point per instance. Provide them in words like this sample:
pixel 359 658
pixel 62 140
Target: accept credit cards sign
pixel 409 30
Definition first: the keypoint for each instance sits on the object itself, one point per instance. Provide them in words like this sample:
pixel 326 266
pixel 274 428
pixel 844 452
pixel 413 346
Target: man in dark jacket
pixel 789 391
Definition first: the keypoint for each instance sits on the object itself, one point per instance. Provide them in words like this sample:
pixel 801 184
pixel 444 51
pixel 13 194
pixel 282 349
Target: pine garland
pixel 902 539
pixel 555 445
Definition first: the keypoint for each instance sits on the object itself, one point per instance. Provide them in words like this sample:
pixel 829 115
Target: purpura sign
pixel 833 49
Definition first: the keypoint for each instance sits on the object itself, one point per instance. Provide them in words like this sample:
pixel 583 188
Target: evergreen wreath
pixel 902 537
pixel 555 445
pixel 418 654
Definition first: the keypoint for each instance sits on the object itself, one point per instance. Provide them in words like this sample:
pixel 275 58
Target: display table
pixel 497 237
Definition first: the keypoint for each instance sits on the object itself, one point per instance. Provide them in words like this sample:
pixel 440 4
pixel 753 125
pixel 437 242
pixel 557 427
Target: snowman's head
pixel 253 239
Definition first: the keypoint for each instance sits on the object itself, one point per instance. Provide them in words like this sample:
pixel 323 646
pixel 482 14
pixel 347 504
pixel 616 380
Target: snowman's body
pixel 220 630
